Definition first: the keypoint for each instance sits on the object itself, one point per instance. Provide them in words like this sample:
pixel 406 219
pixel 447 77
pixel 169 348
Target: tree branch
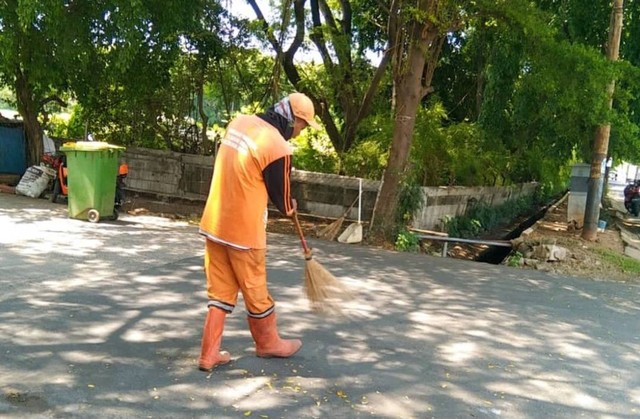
pixel 265 26
pixel 317 37
pixel 53 98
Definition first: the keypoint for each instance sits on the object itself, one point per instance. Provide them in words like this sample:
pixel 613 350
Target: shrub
pixel 407 241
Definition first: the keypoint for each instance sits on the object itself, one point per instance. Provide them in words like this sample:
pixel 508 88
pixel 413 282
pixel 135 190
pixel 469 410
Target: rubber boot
pixel 268 343
pixel 210 355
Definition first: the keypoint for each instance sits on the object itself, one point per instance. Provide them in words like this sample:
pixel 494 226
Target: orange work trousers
pixel 229 270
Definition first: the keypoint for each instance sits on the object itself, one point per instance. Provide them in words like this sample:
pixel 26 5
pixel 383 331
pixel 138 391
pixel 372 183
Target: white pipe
pixel 359 199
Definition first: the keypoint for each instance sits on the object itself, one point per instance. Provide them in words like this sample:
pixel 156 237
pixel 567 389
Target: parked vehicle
pixel 123 171
pixel 632 197
pixel 57 162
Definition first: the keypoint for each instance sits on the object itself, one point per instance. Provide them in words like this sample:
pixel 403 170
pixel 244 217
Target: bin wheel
pixel 93 215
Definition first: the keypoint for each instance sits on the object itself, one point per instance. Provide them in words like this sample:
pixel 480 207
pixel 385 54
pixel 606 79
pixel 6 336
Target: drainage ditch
pixel 495 254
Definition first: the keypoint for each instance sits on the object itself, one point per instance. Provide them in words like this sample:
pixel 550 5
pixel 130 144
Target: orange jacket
pixel 236 208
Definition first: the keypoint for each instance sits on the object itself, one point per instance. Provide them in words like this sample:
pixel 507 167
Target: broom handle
pixel 305 247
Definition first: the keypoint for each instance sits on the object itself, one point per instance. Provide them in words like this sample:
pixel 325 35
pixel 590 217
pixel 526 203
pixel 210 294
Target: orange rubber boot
pixel 268 343
pixel 210 355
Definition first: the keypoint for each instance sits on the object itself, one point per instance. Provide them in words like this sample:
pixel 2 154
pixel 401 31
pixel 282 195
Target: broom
pixel 331 231
pixel 323 290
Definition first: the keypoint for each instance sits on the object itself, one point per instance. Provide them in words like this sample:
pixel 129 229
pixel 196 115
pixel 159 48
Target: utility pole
pixel 601 138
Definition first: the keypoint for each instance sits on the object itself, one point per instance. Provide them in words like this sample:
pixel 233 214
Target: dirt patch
pixel 591 259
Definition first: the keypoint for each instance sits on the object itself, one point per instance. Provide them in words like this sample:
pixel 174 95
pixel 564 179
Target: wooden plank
pixel 434 233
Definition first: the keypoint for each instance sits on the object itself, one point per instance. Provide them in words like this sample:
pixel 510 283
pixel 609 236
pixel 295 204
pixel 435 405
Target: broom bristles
pixel 323 290
pixel 331 231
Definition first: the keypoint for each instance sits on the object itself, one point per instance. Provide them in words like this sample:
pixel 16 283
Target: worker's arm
pixel 277 177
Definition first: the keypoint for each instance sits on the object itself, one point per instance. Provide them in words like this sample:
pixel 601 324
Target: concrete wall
pixel 168 174
pixel 184 176
pixel 449 201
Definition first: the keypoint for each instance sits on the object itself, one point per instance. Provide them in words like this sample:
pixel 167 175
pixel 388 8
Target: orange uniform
pixel 253 164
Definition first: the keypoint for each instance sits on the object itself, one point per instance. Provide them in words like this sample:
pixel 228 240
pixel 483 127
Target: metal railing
pixel 447 240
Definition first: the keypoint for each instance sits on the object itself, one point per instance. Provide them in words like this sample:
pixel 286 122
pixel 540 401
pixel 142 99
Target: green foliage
pixel 534 78
pixel 7 98
pixel 482 217
pixel 367 160
pixel 445 153
pixel 410 200
pixel 72 127
pixel 514 259
pixel 553 100
pixel 624 144
pixel 463 227
pixel 518 90
pixel 313 152
pixel 407 241
pixel 368 157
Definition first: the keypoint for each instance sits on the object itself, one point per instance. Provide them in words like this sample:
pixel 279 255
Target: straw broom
pixel 331 231
pixel 323 290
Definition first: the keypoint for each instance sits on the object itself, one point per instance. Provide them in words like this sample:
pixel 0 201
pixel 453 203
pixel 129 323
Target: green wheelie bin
pixel 92 170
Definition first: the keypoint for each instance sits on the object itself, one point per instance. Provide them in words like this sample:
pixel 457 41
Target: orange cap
pixel 123 169
pixel 302 107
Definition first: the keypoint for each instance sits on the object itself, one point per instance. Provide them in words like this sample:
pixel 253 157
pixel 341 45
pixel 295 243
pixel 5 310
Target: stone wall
pixel 184 176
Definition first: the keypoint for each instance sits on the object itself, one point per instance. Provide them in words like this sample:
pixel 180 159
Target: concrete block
pixel 632 252
pixel 630 239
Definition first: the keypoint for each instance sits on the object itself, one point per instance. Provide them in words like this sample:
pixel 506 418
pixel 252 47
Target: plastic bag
pixel 35 181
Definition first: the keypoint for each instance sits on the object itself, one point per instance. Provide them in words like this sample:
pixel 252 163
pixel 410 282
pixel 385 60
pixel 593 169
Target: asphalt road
pixel 104 321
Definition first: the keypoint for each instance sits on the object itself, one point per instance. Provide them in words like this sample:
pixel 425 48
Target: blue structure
pixel 13 148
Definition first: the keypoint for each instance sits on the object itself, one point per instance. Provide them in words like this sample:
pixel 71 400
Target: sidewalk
pixel 104 321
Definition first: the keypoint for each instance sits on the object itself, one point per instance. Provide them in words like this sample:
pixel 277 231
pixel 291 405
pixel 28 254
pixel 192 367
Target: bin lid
pixel 89 146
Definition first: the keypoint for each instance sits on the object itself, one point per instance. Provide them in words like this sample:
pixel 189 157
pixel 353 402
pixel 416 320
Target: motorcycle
pixel 632 198
pixel 123 171
pixel 59 163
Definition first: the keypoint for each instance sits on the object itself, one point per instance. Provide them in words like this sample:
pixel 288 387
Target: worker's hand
pixel 294 207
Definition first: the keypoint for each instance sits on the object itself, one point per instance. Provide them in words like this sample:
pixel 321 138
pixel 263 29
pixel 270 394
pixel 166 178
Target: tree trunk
pixel 410 91
pixel 203 115
pixel 27 107
pixel 409 97
pixel 413 83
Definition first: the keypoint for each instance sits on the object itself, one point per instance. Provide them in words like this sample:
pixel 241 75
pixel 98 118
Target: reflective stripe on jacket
pixel 238 197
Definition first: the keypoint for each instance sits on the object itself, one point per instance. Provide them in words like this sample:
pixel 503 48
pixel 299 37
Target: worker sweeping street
pixel 253 165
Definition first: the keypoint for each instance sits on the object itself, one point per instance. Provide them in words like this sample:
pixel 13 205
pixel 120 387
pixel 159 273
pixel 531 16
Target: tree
pixel 105 53
pixel 351 90
pixel 30 63
pixel 139 78
pixel 418 34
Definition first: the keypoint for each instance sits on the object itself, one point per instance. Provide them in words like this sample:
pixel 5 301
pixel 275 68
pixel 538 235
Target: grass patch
pixel 625 263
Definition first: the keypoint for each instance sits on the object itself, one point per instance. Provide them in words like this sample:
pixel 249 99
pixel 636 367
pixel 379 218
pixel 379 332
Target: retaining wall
pixel 185 176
